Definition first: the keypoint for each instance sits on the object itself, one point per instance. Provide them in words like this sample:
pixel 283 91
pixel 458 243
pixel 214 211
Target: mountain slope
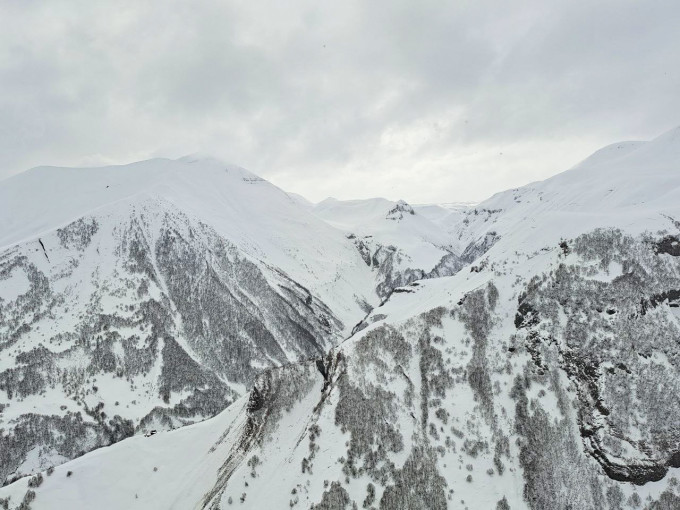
pixel 546 375
pixel 259 218
pixel 622 185
pixel 153 309
pixel 447 400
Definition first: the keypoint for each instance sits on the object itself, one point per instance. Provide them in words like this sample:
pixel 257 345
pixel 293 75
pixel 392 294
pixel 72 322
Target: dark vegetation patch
pixel 418 485
pixel 335 498
pixel 617 331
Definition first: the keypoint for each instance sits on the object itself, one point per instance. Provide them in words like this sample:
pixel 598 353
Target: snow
pixel 14 285
pixel 420 239
pixel 165 471
pixel 633 186
pixel 253 214
pixel 300 200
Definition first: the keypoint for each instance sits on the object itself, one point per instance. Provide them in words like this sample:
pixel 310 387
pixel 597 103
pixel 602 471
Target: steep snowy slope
pixel 259 218
pixel 622 185
pixel 546 375
pixel 148 296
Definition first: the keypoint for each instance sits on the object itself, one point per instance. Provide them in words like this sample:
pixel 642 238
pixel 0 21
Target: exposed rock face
pixel 396 269
pixel 137 319
pixel 618 340
pixel 669 245
pixel 399 210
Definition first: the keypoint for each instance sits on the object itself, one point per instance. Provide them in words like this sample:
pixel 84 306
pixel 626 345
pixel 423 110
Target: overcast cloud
pixel 421 100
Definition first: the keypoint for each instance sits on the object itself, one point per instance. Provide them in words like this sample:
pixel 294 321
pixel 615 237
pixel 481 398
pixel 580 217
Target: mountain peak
pixel 46 197
pixel 400 209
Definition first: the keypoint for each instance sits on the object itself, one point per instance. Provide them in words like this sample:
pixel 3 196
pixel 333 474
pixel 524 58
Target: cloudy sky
pixel 422 100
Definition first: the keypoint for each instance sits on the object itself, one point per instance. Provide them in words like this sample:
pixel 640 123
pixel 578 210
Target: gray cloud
pixel 429 101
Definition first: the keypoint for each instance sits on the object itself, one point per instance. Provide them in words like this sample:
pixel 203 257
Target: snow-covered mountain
pixel 544 374
pixel 148 296
pixel 401 243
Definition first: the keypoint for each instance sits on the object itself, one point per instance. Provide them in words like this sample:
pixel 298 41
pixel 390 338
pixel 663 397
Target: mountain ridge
pixel 540 373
